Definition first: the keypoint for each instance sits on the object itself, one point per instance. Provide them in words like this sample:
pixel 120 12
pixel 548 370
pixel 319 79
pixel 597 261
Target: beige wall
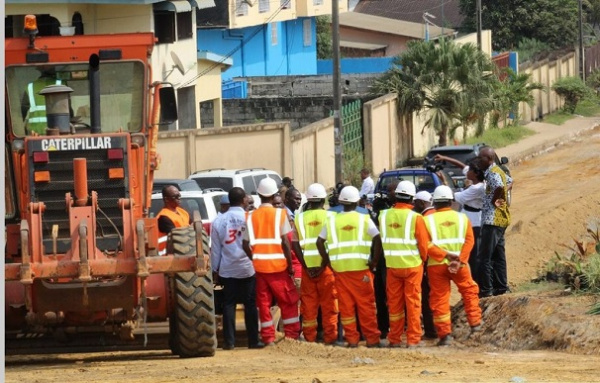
pixel 258 145
pixel 380 122
pixel 255 17
pixel 307 8
pixel 486 41
pixel 547 72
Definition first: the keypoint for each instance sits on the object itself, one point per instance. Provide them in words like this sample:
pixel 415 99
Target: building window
pixel 241 7
pixel 172 23
pixel 164 26
pixel 317 2
pixel 274 34
pixel 307 32
pixel 184 26
pixel 285 4
pixel 264 6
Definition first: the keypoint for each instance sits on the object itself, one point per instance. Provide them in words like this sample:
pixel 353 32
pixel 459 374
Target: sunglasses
pixel 176 196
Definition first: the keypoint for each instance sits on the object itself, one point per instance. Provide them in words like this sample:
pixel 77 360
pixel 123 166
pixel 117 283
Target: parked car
pixel 226 179
pixel 207 203
pixel 182 185
pixel 421 177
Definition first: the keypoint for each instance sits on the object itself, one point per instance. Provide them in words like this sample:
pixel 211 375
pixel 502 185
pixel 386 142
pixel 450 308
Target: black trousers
pixel 239 291
pixel 474 262
pixel 426 312
pixel 492 256
pixel 379 284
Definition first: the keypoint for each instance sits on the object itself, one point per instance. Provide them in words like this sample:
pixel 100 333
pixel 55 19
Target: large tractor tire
pixel 192 322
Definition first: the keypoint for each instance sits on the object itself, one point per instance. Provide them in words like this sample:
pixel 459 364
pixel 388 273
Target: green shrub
pixel 530 48
pixel 571 89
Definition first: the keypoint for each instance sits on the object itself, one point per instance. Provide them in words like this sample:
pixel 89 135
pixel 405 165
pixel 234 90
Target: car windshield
pixel 462 156
pixel 214 182
pixel 190 204
pixel 121 95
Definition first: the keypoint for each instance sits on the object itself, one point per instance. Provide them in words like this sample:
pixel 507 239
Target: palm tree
pixel 513 89
pixel 437 79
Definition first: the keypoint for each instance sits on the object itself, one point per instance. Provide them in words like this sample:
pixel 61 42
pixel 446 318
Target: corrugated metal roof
pixel 391 26
pixel 412 10
pixel 358 45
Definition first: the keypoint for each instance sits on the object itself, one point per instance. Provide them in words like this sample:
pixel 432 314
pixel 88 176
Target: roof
pixel 412 10
pixel 388 25
pixel 365 46
pixel 215 57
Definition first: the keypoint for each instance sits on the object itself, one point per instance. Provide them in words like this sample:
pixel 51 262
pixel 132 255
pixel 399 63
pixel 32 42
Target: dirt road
pixel 556 196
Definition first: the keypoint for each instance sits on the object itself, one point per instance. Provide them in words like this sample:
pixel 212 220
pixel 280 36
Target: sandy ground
pixel 556 196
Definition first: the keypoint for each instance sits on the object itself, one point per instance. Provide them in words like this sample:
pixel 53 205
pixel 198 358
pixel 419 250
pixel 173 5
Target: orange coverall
pixel 439 281
pixel 404 287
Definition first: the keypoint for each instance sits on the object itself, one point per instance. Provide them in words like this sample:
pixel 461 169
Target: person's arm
pixel 440 158
pixel 323 251
pixel 422 237
pixel 465 252
pixel 377 248
pixel 296 248
pixel 165 225
pixel 215 248
pixel 285 245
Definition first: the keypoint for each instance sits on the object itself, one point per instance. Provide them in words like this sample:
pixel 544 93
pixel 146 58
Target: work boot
pixel 477 328
pixel 336 343
pixel 395 345
pixel 445 341
pixel 352 345
pixel 227 346
pixel 414 346
pixel 375 345
pixel 256 345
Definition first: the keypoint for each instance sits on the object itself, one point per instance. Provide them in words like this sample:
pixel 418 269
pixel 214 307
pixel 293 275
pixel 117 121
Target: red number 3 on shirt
pixel 231 237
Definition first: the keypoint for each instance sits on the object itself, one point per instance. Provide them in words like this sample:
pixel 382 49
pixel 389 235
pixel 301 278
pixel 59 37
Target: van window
pixel 214 182
pixel 193 204
pixel 249 185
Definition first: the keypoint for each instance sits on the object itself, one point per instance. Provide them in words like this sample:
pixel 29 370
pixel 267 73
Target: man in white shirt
pixel 368 186
pixel 235 270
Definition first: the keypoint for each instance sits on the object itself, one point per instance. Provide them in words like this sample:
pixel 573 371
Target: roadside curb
pixel 549 144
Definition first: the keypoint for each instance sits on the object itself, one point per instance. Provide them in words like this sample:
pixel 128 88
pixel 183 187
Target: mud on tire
pixel 192 322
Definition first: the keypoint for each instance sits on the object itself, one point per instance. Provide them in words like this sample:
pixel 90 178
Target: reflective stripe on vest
pixel 264 234
pixel 36 115
pixel 399 243
pixel 309 225
pixel 448 231
pixel 349 242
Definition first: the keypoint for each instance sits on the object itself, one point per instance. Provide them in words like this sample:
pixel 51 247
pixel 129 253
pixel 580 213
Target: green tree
pixel 554 22
pixel 513 89
pixel 324 49
pixel 436 79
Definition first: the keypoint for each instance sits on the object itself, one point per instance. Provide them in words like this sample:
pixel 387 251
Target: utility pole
pixel 478 16
pixel 338 128
pixel 581 51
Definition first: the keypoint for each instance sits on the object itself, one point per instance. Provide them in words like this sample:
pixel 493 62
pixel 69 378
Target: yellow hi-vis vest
pixel 397 228
pixel 309 225
pixel 448 230
pixel 348 241
pixel 36 116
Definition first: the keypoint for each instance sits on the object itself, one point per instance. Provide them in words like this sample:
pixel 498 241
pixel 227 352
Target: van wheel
pixel 192 321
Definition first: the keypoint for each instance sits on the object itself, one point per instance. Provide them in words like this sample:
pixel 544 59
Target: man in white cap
pixel 267 240
pixel 349 235
pixel 423 203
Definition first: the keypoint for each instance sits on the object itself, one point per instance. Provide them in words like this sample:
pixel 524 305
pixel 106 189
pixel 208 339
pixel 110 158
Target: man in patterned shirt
pixel 495 218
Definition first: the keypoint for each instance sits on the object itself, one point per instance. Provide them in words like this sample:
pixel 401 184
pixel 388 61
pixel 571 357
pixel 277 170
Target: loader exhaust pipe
pixel 80 180
pixel 94 82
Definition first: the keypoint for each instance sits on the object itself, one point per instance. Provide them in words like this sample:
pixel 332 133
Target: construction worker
pixel 404 239
pixel 349 236
pixel 234 270
pixel 451 243
pixel 171 216
pixel 266 238
pixel 33 105
pixel 423 205
pixel 318 282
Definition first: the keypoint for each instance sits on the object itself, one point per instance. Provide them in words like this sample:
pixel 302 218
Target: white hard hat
pixel 267 187
pixel 348 195
pixel 406 188
pixel 316 192
pixel 442 193
pixel 423 195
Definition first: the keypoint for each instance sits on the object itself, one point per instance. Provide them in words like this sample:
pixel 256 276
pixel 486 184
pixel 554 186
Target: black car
pixel 182 185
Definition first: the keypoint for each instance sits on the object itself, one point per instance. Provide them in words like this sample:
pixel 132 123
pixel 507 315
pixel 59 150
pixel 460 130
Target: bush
pixel 571 89
pixel 531 48
pixel 593 81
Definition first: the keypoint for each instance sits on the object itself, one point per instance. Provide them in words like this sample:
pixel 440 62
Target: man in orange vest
pixel 405 240
pixel 171 216
pixel 266 238
pixel 451 243
pixel 349 235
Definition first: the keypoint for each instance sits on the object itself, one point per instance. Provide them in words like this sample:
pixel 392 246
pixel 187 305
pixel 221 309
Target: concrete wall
pixel 259 145
pixel 309 86
pixel 394 43
pixel 547 72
